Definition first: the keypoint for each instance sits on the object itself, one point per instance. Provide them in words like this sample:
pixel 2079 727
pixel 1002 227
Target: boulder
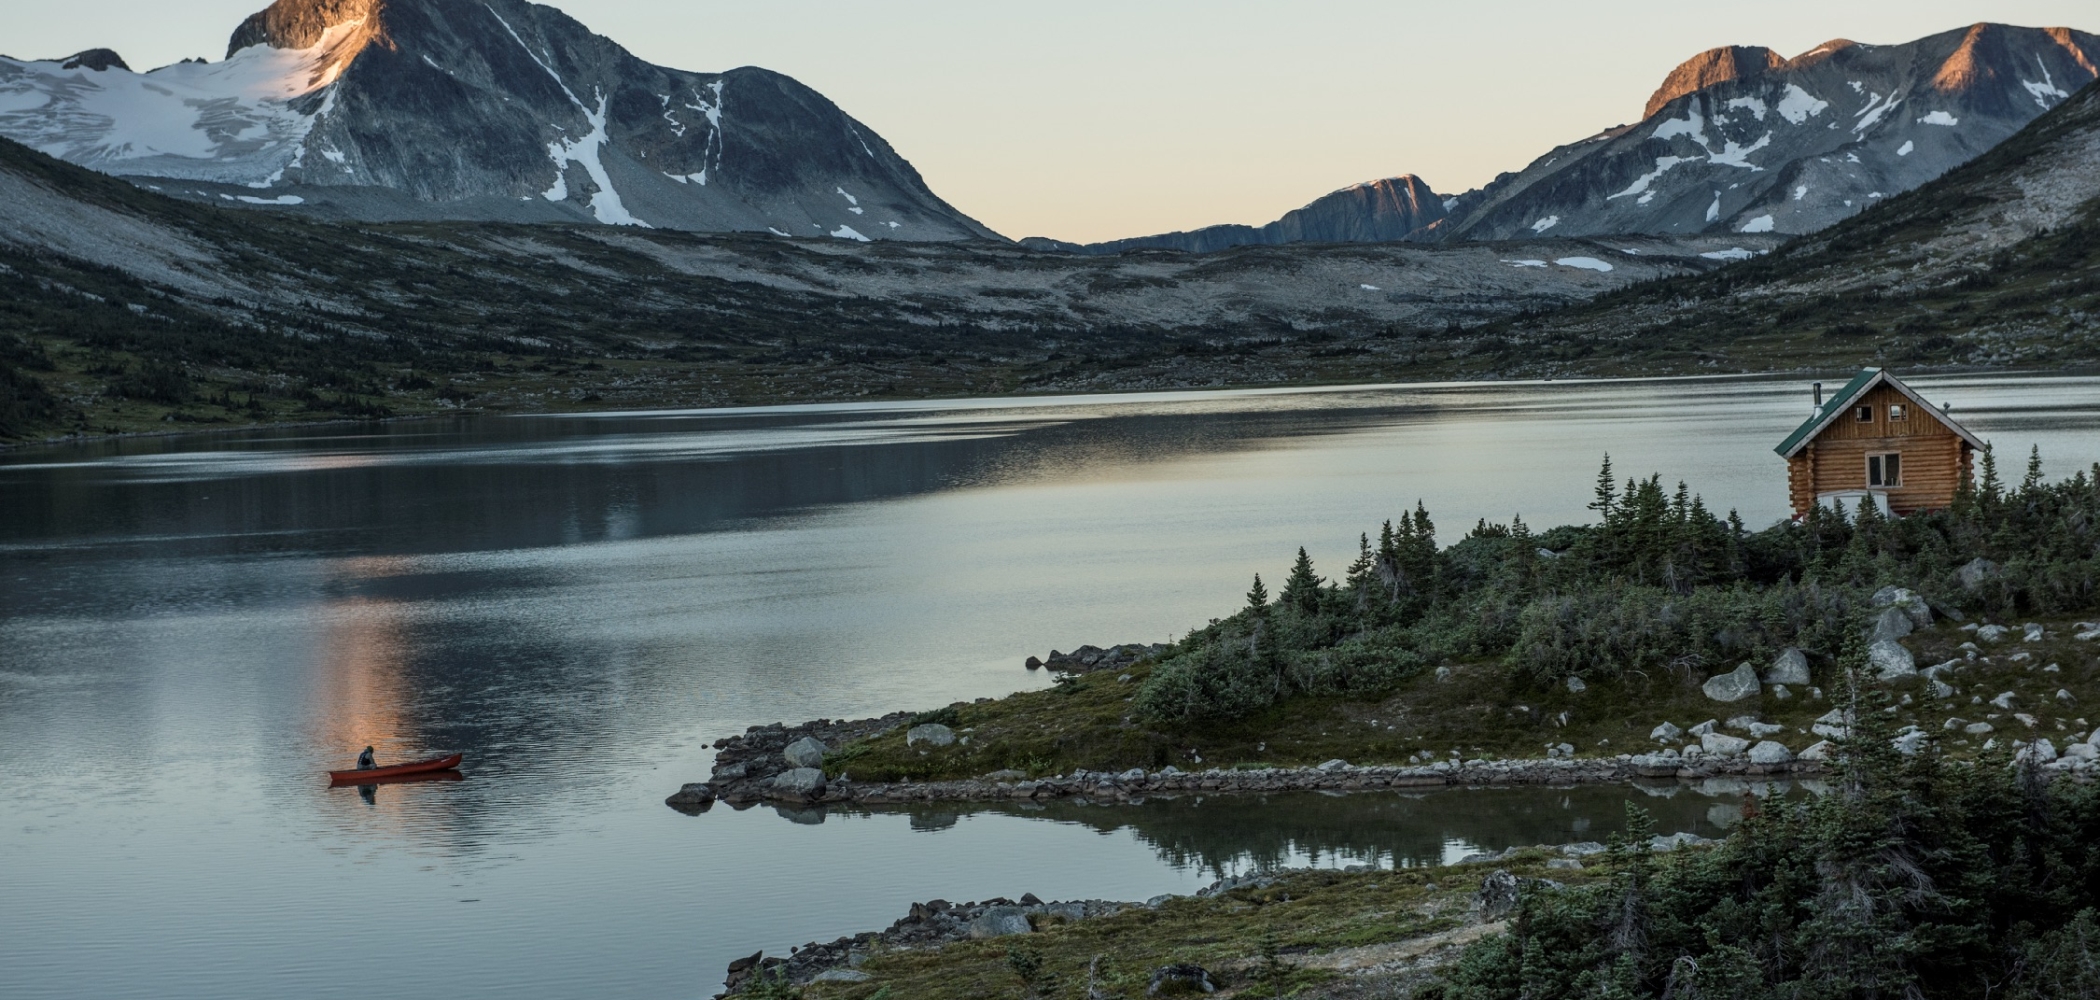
pixel 1732 686
pixel 1992 633
pixel 800 782
pixel 1820 751
pixel 1705 727
pixel 1770 752
pixel 1334 765
pixel 805 752
pixel 1977 572
pixel 2041 751
pixel 1180 979
pixel 689 795
pixel 1575 685
pixel 1978 728
pixel 1909 602
pixel 1892 623
pixel 1890 661
pixel 2033 631
pixel 1834 724
pixel 1498 895
pixel 2004 700
pixel 1780 692
pixel 1789 667
pixel 1723 745
pixel 932 734
pixel 1000 921
pixel 1665 733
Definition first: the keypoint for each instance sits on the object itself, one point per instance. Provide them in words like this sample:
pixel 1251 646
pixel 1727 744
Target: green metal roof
pixel 1867 379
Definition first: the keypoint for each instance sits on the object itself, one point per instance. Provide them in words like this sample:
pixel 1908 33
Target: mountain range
pixel 463 109
pixel 1736 140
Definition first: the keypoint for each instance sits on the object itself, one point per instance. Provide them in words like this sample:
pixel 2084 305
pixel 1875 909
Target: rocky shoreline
pixel 779 763
pixel 938 922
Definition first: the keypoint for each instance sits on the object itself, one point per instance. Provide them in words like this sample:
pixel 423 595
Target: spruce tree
pixel 1301 590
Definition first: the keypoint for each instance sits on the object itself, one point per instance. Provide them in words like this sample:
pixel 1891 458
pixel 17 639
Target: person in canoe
pixel 365 762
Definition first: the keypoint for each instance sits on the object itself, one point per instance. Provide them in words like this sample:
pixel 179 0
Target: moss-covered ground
pixel 1284 939
pixel 1480 711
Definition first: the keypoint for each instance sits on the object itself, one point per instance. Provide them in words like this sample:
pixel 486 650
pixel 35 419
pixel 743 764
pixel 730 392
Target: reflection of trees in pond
pixel 1224 833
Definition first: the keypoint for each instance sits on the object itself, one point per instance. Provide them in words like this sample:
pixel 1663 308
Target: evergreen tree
pixel 1258 596
pixel 1301 590
pixel 1607 491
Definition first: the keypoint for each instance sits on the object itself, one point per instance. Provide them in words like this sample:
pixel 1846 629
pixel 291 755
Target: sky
pixel 1090 120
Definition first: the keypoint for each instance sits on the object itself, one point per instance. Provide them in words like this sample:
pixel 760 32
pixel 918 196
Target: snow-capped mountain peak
pixel 474 109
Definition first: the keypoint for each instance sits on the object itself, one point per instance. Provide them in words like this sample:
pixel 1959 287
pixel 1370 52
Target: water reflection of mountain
pixel 1221 833
pixel 498 485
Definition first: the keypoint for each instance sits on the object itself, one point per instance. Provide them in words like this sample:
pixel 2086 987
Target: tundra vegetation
pixel 1513 640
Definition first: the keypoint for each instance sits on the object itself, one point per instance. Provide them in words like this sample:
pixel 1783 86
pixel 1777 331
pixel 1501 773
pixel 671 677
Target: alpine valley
pixel 372 209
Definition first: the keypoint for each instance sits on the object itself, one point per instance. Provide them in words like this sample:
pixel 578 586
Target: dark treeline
pixel 1916 878
pixel 1660 589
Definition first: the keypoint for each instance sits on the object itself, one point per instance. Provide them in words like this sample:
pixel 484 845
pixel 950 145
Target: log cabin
pixel 1877 437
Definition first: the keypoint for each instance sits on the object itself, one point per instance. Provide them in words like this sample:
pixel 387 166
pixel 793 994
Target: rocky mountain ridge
pixel 1737 139
pixel 459 109
pixel 1396 208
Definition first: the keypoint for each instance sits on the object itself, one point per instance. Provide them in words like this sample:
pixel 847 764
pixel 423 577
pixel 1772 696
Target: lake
pixel 193 628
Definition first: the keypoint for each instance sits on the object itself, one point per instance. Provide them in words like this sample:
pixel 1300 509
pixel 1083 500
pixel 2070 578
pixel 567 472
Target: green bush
pixel 1658 587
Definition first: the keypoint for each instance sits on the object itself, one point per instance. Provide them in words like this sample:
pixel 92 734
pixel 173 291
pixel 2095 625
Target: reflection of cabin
pixel 1877 437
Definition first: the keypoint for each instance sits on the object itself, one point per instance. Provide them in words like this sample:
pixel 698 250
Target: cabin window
pixel 1885 470
pixel 1897 411
pixel 1863 414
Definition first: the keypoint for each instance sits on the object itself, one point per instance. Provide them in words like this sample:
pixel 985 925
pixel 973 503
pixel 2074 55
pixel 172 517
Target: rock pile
pixel 1087 659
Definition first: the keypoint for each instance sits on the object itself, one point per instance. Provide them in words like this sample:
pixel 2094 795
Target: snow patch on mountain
pixel 605 202
pixel 1799 105
pixel 229 122
pixel 1939 118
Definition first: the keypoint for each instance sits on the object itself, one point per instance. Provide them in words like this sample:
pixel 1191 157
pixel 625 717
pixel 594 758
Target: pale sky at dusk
pixel 1096 119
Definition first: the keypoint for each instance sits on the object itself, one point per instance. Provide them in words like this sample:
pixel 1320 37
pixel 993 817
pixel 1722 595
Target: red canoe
pixel 395 771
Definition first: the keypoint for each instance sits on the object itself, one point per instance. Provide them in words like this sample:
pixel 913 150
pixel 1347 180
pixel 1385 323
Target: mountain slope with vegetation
pixel 121 310
pixel 1996 263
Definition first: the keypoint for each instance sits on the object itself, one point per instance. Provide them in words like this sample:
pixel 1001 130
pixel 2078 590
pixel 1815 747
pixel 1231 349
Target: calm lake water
pixel 192 629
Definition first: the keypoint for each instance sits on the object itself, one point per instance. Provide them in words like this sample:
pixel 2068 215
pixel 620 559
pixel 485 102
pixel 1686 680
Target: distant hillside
pixel 1379 211
pixel 121 309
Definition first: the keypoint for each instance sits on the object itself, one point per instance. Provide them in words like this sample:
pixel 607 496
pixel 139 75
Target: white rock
pixel 1666 733
pixel 1770 752
pixel 1575 685
pixel 1723 745
pixel 1890 661
pixel 1892 623
pixel 805 752
pixel 1336 764
pixel 2004 699
pixel 1732 686
pixel 1978 728
pixel 2034 631
pixel 1705 727
pixel 2064 694
pixel 2041 752
pixel 1908 741
pixel 1992 633
pixel 1941 689
pixel 1789 667
pixel 2027 720
pixel 2082 751
pixel 932 734
pixel 1820 751
pixel 1834 724
pixel 1780 692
